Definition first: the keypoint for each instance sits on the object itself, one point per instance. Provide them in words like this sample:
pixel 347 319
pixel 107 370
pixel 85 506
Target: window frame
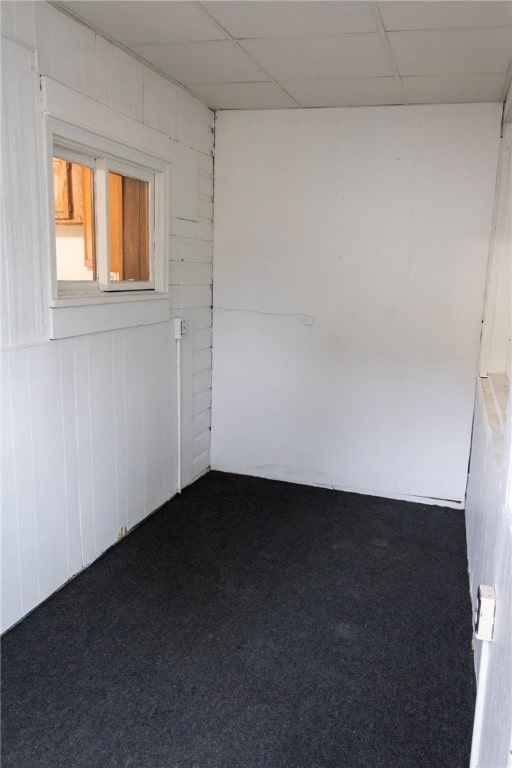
pixel 104 166
pixel 67 287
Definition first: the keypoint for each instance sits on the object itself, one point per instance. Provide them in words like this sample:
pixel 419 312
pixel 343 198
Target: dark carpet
pixel 253 624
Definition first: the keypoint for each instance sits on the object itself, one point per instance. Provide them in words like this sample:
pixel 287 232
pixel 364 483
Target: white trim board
pixel 93 317
pixel 78 110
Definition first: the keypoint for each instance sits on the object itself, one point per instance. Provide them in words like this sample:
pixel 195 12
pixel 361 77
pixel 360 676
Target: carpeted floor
pixel 253 624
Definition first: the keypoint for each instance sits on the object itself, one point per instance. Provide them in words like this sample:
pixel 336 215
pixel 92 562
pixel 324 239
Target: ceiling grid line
pixel 271 79
pixel 387 47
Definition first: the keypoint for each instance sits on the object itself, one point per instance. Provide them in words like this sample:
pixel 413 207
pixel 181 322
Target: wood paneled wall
pixel 89 424
pixel 489 537
pixel 89 449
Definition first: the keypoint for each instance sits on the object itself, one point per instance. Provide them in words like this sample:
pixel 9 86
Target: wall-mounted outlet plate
pixel 180 328
pixel 485 612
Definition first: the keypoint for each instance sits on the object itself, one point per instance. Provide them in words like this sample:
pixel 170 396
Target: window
pixel 104 222
pixel 107 197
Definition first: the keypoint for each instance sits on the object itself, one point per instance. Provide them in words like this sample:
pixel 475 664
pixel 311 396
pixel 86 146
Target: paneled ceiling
pixel 261 54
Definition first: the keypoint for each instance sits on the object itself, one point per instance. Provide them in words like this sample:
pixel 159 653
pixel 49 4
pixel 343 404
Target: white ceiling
pixel 260 54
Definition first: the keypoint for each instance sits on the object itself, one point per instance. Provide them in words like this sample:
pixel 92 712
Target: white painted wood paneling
pixel 489 501
pixel 161 104
pixel 89 422
pixel 158 364
pixel 24 295
pixel 195 230
pixel 120 428
pixel 184 194
pixel 84 441
pixel 89 450
pixel 489 535
pixel 66 51
pixel 182 273
pixel 374 224
pixel 11 604
pixel 135 436
pixel 202 401
pixel 102 426
pixel 24 476
pixel 120 80
pixel 17 21
pixel 44 379
pixel 189 249
pixel 191 298
pixel 197 127
pixel 71 454
pixel 75 318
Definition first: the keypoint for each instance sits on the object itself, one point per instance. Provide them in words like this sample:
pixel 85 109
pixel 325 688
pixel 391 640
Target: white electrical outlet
pixel 485 611
pixel 180 328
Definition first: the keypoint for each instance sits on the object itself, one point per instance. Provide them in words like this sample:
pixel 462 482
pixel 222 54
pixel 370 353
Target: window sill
pixel 81 313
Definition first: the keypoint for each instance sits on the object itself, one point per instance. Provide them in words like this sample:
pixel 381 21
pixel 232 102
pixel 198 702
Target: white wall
pixel 373 224
pixel 489 498
pixel 89 435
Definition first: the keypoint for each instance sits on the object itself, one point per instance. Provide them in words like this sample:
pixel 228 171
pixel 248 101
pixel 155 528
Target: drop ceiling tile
pixel 275 18
pixel 244 96
pixel 346 92
pixel 212 62
pixel 454 51
pixel 447 89
pixel 433 14
pixel 148 21
pixel 318 58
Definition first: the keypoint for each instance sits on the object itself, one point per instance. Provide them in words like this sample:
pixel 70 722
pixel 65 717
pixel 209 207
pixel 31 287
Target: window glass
pixel 73 189
pixel 128 228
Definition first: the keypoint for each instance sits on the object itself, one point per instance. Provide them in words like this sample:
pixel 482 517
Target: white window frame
pixel 81 123
pixel 101 182
pixel 104 155
pixel 71 287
